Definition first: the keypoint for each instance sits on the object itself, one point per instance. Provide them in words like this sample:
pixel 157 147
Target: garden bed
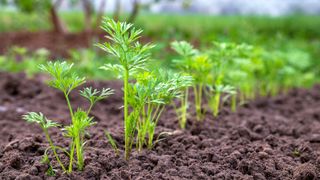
pixel 57 44
pixel 270 138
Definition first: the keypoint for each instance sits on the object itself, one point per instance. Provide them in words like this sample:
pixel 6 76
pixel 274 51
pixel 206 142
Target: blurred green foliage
pixel 289 34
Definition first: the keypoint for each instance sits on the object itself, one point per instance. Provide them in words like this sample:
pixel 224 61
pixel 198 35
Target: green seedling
pixel 215 96
pixel 65 80
pixel 45 160
pixel 45 124
pixel 199 67
pixel 132 57
pixel 112 142
pixel 187 52
pixel 151 93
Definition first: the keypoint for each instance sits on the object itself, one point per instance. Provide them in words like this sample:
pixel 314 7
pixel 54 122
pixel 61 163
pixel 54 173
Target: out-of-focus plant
pixel 198 66
pixel 18 59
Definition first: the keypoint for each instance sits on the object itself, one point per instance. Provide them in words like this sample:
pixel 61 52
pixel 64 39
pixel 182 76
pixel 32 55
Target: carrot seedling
pixel 215 96
pixel 65 80
pixel 45 124
pixel 132 57
pixel 197 65
pixel 112 142
pixel 151 93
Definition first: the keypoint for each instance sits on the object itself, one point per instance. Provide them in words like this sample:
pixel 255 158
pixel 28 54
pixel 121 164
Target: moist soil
pixel 269 138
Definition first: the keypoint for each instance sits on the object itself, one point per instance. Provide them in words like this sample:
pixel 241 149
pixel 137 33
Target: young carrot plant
pixel 199 66
pixel 215 94
pixel 112 142
pixel 185 50
pixel 151 93
pixel 132 56
pixel 66 81
pixel 45 124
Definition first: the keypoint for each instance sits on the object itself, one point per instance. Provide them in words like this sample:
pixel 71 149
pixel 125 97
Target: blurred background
pixel 34 31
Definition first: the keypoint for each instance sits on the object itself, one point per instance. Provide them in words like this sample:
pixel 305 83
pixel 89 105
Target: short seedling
pixel 66 81
pixel 199 66
pixel 151 93
pixel 215 96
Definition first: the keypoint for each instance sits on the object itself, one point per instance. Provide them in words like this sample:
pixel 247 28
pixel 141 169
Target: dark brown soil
pixel 270 138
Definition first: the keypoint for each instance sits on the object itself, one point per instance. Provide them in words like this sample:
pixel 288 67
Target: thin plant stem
pixel 69 105
pixel 79 153
pixel 71 155
pixel 54 149
pixel 126 124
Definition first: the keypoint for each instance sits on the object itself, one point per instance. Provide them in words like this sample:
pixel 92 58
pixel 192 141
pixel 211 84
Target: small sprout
pixel 45 124
pixel 296 153
pixel 112 142
pixel 45 160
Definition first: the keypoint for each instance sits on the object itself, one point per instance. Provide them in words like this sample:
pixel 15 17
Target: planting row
pixel 225 72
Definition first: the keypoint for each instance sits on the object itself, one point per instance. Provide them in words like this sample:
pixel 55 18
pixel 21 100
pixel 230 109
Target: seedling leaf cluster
pixel 65 80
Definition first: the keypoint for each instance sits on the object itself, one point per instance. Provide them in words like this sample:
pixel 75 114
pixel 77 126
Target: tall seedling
pixel 132 57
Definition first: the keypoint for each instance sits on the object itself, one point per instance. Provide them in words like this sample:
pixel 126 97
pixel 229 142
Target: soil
pixel 57 44
pixel 269 138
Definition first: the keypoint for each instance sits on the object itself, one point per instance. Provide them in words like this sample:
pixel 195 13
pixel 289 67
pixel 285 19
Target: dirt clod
pixel 305 172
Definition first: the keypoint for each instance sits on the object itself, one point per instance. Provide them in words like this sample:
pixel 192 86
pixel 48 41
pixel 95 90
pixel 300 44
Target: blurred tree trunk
pixel 88 11
pixel 58 25
pixel 135 11
pixel 117 9
pixel 100 14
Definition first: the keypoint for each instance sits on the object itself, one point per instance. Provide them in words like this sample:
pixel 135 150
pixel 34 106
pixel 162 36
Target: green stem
pixel 54 149
pixel 151 135
pixel 89 110
pixel 126 123
pixel 184 108
pixel 199 109
pixel 79 153
pixel 71 155
pixel 234 103
pixel 69 105
pixel 159 114
pixel 216 104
